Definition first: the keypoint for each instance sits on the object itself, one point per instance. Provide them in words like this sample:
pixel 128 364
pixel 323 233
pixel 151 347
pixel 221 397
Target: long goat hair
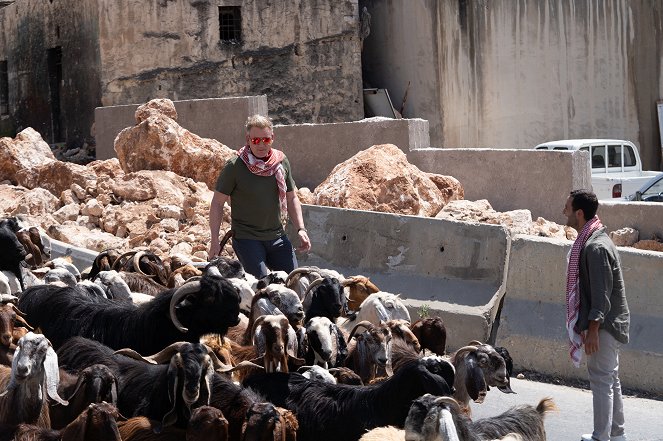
pixel 328 412
pixel 208 305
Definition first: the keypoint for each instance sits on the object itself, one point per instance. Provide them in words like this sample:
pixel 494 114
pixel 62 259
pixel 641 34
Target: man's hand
pixel 591 338
pixel 214 250
pixel 304 242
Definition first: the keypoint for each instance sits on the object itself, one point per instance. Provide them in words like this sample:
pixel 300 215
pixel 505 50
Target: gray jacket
pixel 602 293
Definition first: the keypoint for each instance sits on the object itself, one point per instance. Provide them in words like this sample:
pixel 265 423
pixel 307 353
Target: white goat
pixel 326 344
pixel 33 375
pixel 318 373
pixel 377 308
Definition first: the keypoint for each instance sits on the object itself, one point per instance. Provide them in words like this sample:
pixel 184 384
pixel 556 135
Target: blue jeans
pixel 258 257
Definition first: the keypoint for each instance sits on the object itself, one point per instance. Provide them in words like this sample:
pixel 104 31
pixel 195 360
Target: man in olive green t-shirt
pixel 259 185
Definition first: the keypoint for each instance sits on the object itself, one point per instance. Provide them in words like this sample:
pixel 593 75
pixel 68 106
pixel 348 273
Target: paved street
pixel 644 418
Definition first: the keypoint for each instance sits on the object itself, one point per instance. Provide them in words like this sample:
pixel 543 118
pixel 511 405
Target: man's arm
pixel 295 213
pixel 215 217
pixel 600 281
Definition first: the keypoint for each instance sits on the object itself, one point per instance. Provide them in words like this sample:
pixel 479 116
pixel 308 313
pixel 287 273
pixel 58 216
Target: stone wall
pixel 513 74
pixel 304 55
pixel 29 29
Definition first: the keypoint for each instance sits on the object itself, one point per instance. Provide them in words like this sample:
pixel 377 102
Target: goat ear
pixel 81 379
pixel 12 381
pixel 52 375
pixel 173 380
pixel 114 392
pixel 474 380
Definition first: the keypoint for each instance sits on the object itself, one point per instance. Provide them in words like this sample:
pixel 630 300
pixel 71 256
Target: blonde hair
pixel 259 121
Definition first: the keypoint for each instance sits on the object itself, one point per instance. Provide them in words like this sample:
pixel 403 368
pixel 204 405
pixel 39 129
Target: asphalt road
pixel 644 418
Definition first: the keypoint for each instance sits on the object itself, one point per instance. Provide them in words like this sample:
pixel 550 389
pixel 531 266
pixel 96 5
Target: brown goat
pixel 181 274
pixel 10 317
pixel 34 257
pixel 431 333
pixel 346 375
pixel 359 287
pixel 96 423
pixel 265 422
pixel 206 423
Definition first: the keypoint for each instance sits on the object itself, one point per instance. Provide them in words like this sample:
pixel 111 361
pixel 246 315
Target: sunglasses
pixel 267 140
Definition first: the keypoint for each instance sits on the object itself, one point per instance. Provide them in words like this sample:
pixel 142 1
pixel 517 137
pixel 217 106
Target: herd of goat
pixel 136 348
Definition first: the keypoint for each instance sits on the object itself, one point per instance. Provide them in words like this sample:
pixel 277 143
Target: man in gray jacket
pixel 597 313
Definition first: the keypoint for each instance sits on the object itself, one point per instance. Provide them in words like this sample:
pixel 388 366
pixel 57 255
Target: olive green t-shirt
pixel 254 200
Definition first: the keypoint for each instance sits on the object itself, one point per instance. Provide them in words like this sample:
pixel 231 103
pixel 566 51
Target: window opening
pixel 230 24
pixel 598 156
pixel 4 88
pixel 615 156
pixel 54 60
pixel 629 156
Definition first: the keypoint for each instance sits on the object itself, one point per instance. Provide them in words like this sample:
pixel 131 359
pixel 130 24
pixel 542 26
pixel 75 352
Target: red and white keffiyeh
pixel 572 291
pixel 270 166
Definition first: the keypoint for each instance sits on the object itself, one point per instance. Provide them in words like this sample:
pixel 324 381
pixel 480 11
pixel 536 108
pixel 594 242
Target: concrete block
pixel 222 119
pixel 456 269
pixel 315 149
pixel 512 179
pixel 532 323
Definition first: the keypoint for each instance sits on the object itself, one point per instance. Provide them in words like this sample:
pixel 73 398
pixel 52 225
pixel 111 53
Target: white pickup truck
pixel 616 165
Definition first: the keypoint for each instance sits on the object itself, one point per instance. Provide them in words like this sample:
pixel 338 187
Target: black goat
pixel 166 392
pixel 208 305
pixel 324 297
pixel 229 268
pixel 13 252
pixel 329 412
pixel 94 384
pixel 509 368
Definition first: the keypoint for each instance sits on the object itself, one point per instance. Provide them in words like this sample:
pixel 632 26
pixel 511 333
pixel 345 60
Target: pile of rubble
pixel 156 194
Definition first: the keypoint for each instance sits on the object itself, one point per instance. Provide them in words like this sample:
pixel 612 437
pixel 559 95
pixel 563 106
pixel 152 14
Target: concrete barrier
pixel 532 324
pixel 646 217
pixel 315 149
pixel 222 119
pixel 511 179
pixel 457 269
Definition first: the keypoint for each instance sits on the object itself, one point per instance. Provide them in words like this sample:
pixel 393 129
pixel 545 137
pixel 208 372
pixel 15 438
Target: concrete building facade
pixel 515 73
pixel 63 58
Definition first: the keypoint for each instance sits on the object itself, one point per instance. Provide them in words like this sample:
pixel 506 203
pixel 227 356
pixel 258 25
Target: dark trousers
pixel 258 257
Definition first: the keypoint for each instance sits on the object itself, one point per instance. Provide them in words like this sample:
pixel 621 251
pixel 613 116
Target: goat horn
pixel 464 349
pixel 242 365
pixel 350 281
pixel 23 323
pixel 136 263
pixel 475 343
pixel 182 291
pixel 304 368
pixel 314 284
pixel 166 353
pixel 448 400
pixel 127 352
pixel 332 369
pixel 118 262
pixel 366 324
pixel 257 323
pixel 302 270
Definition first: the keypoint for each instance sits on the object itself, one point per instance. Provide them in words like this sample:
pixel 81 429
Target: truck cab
pixel 615 164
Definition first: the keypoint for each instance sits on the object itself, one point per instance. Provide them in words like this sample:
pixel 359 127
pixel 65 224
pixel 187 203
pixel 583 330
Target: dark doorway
pixel 54 58
pixel 4 89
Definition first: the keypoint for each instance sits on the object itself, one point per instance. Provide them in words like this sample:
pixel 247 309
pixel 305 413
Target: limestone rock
pixel 83 237
pixel 134 187
pixel 463 210
pixel 651 245
pixel 159 143
pixel 624 237
pixel 35 202
pixel 92 208
pixel 8 196
pixel 56 176
pixel 380 179
pixel 169 212
pixel 67 212
pixel 450 187
pixel 26 151
pixel 161 106
pixel 108 167
pixel 305 196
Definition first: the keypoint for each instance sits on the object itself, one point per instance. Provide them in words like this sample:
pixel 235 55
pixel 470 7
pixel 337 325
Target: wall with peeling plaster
pixel 515 73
